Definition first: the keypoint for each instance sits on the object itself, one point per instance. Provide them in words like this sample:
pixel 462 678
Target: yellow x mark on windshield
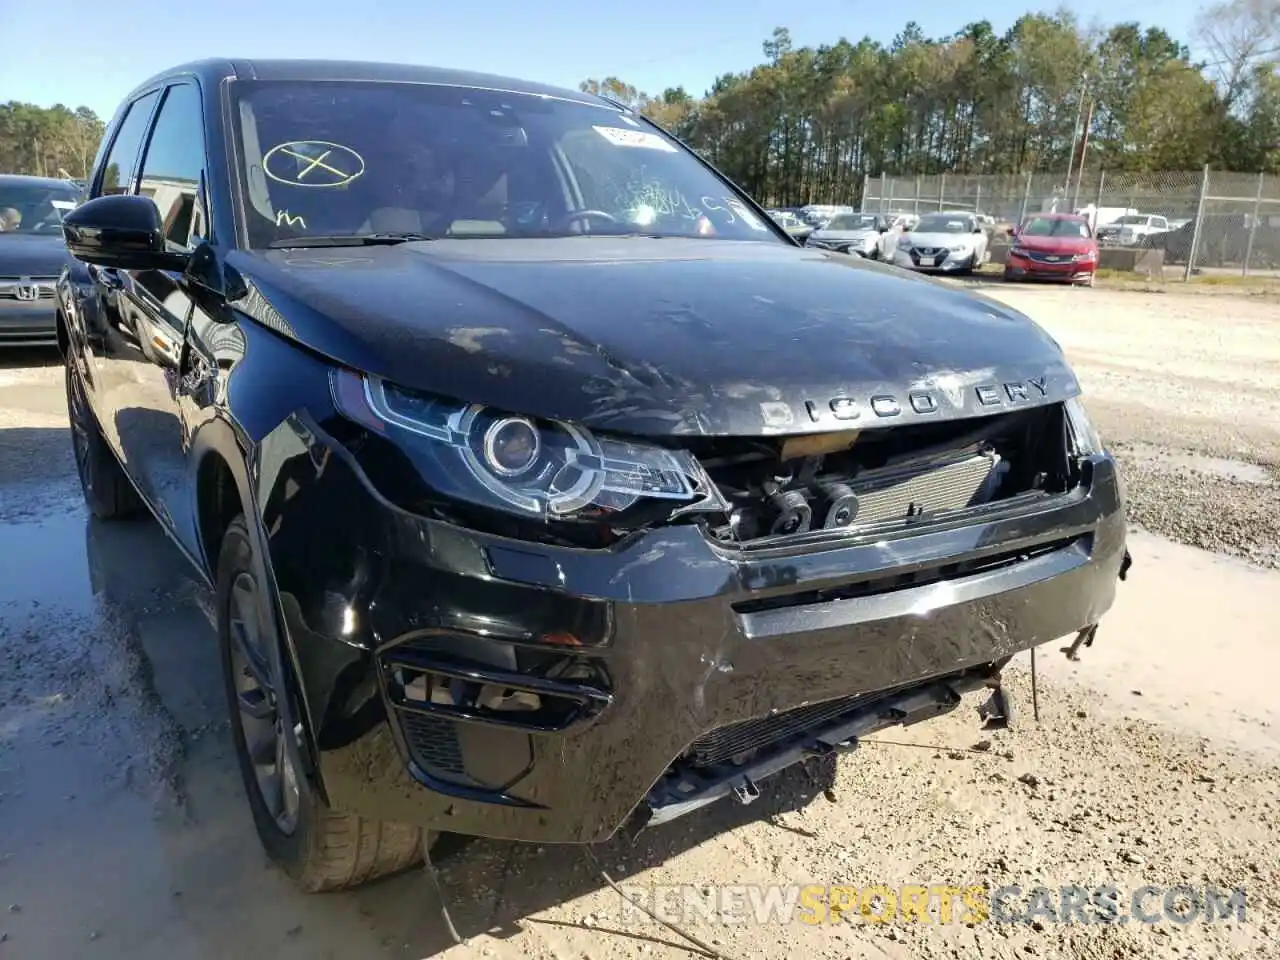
pixel 315 162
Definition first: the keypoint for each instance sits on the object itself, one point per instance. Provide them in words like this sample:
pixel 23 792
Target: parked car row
pixel 945 242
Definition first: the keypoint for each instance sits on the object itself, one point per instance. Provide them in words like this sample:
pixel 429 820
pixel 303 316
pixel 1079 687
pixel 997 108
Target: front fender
pixel 247 417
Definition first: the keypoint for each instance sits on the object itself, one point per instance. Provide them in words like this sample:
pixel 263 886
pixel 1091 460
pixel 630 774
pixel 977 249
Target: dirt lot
pixel 1156 760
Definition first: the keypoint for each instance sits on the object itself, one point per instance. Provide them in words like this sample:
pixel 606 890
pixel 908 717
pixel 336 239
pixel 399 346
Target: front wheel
pixel 320 848
pixel 108 492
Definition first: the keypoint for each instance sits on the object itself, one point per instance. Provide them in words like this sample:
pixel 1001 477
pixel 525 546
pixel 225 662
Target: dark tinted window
pixel 34 206
pixel 174 162
pixel 362 157
pixel 119 174
pixel 1055 227
pixel 854 221
pixel 945 223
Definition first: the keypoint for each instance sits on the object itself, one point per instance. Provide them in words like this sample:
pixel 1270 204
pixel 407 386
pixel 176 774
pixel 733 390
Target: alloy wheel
pixel 265 737
pixel 80 436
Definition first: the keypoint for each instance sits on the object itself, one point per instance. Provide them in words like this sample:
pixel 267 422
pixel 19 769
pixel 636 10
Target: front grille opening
pixel 891 476
pixel 894 582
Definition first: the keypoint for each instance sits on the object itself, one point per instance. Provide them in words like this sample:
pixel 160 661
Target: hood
pixel 1054 244
pixel 32 254
pixel 658 336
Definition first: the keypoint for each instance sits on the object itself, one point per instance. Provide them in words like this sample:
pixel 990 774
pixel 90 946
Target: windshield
pixel 350 159
pixel 935 223
pixel 853 221
pixel 34 207
pixel 1055 227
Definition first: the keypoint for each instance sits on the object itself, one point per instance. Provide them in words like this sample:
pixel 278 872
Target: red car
pixel 1053 246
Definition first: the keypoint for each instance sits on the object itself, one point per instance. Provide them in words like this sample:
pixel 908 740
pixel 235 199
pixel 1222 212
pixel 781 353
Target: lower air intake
pixel 433 744
pixel 740 740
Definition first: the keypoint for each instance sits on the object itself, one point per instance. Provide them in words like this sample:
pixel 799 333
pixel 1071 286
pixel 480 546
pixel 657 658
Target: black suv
pixel 546 486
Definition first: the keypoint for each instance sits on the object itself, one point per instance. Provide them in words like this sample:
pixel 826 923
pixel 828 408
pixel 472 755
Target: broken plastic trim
pixel 686 789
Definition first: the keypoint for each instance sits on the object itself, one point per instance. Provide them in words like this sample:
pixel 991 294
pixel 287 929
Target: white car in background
pixel 1132 228
pixel 946 242
pixel 866 234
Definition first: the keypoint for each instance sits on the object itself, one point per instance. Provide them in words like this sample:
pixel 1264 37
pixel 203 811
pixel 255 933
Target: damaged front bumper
pixel 503 688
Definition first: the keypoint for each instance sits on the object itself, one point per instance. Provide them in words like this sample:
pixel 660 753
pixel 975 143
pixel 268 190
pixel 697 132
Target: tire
pixel 319 848
pixel 108 492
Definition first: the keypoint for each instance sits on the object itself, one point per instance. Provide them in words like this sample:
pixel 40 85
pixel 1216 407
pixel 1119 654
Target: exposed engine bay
pixel 885 476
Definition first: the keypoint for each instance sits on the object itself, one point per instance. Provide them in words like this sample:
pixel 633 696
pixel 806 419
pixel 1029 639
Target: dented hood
pixel 659 336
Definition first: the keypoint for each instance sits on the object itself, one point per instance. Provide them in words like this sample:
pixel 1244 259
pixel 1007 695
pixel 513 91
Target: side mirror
pixel 884 228
pixel 1013 231
pixel 120 231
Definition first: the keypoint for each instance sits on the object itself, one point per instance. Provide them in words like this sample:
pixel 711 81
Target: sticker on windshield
pixel 312 163
pixel 749 218
pixel 634 138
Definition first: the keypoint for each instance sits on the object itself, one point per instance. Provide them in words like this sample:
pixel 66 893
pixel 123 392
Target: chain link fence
pixel 1206 221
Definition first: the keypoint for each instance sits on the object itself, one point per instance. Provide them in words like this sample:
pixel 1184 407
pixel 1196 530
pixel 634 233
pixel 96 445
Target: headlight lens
pixel 905 243
pixel 536 468
pixel 1083 433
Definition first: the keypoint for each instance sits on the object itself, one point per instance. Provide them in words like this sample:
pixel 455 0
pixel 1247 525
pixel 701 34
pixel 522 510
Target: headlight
pixel 533 467
pixel 1083 433
pixel 1019 251
pixel 905 243
pixel 961 249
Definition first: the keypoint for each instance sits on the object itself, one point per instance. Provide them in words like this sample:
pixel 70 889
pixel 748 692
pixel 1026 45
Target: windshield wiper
pixel 349 240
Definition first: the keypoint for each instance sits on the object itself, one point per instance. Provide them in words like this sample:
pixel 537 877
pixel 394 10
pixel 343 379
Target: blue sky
pixel 61 56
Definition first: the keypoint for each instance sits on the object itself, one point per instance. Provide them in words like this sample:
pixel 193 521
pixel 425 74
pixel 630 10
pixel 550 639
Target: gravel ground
pixel 1156 760
pixel 1186 391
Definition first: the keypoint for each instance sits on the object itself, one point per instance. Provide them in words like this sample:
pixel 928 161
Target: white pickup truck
pixel 1129 230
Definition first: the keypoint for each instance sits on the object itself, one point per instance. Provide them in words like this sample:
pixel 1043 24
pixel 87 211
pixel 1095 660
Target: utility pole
pixel 1084 150
pixel 1071 157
